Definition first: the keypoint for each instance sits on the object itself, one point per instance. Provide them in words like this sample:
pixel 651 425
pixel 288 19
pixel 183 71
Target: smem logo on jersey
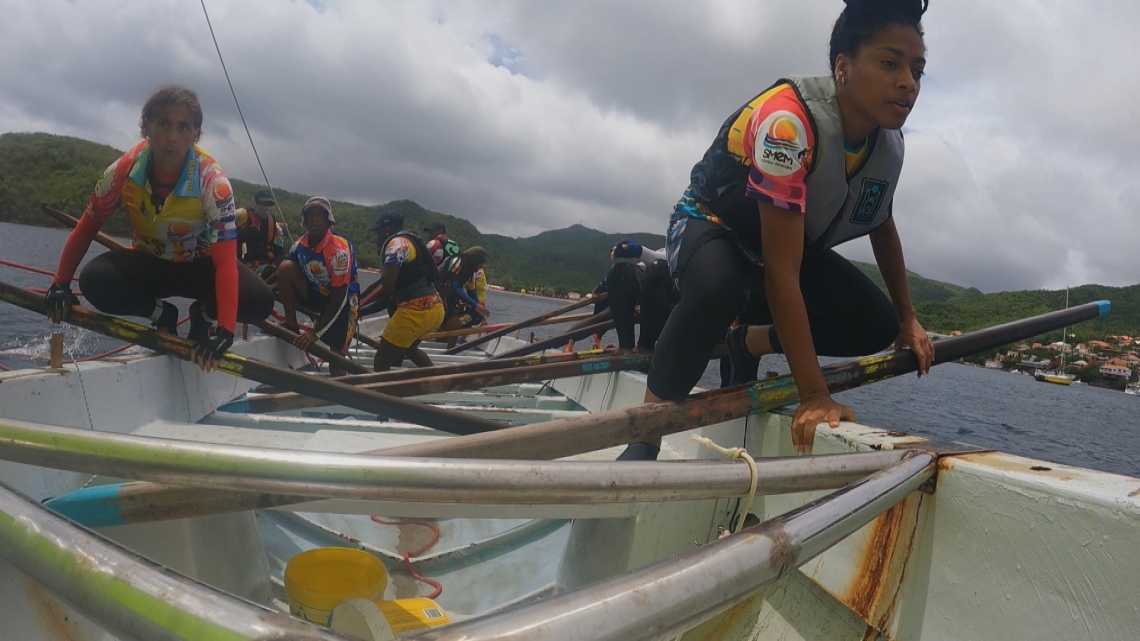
pixel 784 144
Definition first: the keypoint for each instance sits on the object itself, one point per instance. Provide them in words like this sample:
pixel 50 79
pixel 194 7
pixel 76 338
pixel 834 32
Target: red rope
pixel 407 560
pixel 4 368
pixel 29 268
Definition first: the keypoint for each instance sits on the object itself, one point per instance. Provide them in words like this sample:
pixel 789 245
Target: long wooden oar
pixel 144 502
pixel 316 349
pixel 70 222
pixel 452 382
pixel 558 341
pixel 262 372
pixel 454 368
pixel 588 300
pixel 483 329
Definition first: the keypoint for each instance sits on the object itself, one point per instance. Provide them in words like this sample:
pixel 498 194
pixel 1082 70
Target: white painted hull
pixel 1005 547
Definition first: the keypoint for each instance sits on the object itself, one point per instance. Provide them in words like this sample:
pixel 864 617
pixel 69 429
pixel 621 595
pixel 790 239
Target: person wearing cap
pixel 438 244
pixel 320 272
pixel 260 237
pixel 408 288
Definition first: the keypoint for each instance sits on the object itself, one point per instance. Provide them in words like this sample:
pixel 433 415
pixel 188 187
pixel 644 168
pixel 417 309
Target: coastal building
pixel 1116 368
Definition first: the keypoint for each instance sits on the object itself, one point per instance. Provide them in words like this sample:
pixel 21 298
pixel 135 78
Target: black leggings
pixel 848 314
pixel 651 287
pixel 127 282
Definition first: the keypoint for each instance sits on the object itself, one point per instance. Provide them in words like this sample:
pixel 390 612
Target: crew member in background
pixel 439 245
pixel 261 243
pixel 638 279
pixel 320 272
pixel 181 210
pixel 408 289
pixel 460 291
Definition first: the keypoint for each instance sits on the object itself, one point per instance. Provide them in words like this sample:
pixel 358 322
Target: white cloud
pixel 524 116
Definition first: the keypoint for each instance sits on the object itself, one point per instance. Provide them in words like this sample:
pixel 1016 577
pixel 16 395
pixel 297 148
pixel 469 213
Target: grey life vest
pixel 838 208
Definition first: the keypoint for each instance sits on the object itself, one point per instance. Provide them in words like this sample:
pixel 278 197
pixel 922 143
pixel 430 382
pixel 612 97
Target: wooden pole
pixel 143 502
pixel 317 386
pixel 558 341
pixel 56 353
pixel 316 349
pixel 482 329
pixel 453 382
pixel 588 300
pixel 454 368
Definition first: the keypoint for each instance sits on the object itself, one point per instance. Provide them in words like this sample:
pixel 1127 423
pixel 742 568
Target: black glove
pixel 58 300
pixel 215 345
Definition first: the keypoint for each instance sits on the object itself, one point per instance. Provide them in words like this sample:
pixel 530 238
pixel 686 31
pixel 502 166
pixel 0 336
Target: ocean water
pixel 1078 425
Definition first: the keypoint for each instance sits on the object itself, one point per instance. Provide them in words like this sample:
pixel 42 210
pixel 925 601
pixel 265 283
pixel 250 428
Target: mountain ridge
pixel 62 170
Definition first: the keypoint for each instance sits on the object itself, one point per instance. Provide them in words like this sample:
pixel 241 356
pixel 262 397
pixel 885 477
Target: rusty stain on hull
pixel 49 612
pixel 878 581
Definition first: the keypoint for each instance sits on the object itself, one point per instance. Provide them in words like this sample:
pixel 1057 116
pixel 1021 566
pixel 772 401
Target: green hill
pixel 61 171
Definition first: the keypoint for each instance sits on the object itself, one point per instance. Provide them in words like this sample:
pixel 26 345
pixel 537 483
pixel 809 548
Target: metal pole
pixel 362 476
pixel 124 593
pixel 667 598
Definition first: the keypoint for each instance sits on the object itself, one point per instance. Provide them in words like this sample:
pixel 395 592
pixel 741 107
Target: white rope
pixel 735 452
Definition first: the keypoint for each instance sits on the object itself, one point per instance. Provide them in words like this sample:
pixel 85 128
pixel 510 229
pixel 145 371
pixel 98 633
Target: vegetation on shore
pixel 61 171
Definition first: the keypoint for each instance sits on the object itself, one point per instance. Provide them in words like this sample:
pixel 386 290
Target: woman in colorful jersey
pixel 806 165
pixel 408 289
pixel 181 211
pixel 320 272
pixel 462 308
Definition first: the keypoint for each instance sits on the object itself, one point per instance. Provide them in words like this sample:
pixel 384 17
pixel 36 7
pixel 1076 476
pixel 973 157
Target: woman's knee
pixel 100 283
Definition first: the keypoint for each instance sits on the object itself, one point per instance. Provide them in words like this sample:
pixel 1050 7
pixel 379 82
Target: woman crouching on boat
pixel 806 165
pixel 181 210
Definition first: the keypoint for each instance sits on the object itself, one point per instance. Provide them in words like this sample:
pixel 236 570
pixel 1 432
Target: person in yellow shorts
pixel 408 288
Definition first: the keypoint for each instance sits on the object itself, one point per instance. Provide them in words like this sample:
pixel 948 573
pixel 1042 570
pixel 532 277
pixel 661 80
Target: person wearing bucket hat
pixel 320 272
pixel 438 244
pixel 180 207
pixel 408 288
pixel 260 237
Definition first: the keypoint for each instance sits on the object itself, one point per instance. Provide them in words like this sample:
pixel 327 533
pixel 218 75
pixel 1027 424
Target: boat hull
pixel 998 547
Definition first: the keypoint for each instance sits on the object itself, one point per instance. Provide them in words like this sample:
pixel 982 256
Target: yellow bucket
pixel 319 579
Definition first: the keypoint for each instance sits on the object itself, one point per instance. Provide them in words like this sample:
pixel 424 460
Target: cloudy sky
pixel 523 116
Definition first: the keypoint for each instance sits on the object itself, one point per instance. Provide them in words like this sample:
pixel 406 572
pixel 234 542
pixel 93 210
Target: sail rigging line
pixel 243 122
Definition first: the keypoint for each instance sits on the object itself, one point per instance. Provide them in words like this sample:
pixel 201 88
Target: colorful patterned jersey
pixel 763 152
pixel 331 264
pixel 181 227
pixel 399 251
pixel 481 286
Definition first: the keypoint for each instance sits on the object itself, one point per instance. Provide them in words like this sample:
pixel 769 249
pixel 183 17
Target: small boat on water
pixel 1132 389
pixel 1059 376
pixel 141 498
